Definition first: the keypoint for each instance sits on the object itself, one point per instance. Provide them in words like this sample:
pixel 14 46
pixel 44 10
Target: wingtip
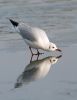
pixel 14 23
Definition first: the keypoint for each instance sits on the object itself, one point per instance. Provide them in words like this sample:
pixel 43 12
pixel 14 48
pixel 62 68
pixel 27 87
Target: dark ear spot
pixel 49 47
pixel 53 47
pixel 54 60
pixel 50 61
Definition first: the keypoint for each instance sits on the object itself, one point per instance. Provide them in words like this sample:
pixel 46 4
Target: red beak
pixel 59 50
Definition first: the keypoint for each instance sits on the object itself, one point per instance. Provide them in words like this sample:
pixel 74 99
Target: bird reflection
pixel 36 70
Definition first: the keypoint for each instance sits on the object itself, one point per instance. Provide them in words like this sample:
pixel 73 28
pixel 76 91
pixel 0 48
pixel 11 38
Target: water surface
pixel 20 79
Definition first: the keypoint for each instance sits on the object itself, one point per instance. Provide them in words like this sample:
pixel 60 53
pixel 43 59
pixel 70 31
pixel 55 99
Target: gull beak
pixel 59 50
pixel 59 56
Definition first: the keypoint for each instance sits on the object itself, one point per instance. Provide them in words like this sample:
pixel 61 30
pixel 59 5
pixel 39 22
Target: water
pixel 51 77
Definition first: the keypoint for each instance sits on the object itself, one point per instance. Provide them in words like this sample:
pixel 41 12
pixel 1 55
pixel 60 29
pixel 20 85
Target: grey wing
pixel 27 33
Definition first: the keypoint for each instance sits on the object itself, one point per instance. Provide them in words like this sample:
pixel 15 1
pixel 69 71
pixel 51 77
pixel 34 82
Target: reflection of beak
pixel 59 50
pixel 59 56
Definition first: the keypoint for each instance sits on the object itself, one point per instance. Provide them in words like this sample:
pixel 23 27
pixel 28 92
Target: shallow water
pixel 46 78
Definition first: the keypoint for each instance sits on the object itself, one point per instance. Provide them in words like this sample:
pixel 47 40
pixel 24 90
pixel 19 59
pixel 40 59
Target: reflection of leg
pixel 38 53
pixel 31 59
pixel 37 56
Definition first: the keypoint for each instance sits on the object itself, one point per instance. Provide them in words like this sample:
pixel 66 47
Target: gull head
pixel 54 60
pixel 53 47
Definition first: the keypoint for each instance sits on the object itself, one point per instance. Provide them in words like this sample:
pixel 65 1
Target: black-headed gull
pixel 36 70
pixel 34 37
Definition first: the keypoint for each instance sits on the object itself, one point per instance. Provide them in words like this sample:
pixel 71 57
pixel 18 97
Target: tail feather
pixel 14 23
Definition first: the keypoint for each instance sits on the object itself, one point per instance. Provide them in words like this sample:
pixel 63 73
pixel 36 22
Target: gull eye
pixel 53 47
pixel 49 47
pixel 54 60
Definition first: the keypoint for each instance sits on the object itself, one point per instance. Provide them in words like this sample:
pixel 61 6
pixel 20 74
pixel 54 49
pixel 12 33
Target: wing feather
pixel 32 33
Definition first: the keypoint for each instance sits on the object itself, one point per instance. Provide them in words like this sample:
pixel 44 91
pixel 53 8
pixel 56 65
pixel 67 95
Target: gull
pixel 34 37
pixel 36 70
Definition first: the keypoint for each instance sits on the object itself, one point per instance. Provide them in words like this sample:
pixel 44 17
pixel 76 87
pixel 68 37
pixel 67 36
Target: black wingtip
pixel 14 23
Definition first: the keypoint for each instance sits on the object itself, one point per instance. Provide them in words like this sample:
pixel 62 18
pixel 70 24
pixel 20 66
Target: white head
pixel 54 60
pixel 53 47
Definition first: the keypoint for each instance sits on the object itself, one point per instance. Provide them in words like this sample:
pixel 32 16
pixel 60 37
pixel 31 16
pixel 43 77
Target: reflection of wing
pixel 36 70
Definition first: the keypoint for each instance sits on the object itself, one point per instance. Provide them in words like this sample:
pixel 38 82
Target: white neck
pixel 46 47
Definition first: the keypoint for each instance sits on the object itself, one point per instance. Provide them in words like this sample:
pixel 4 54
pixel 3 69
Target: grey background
pixel 59 19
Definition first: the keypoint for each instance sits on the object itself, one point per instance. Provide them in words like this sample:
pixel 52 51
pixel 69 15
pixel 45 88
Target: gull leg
pixel 31 51
pixel 38 53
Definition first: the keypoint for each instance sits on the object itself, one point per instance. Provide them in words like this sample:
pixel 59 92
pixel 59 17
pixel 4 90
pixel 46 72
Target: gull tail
pixel 14 23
